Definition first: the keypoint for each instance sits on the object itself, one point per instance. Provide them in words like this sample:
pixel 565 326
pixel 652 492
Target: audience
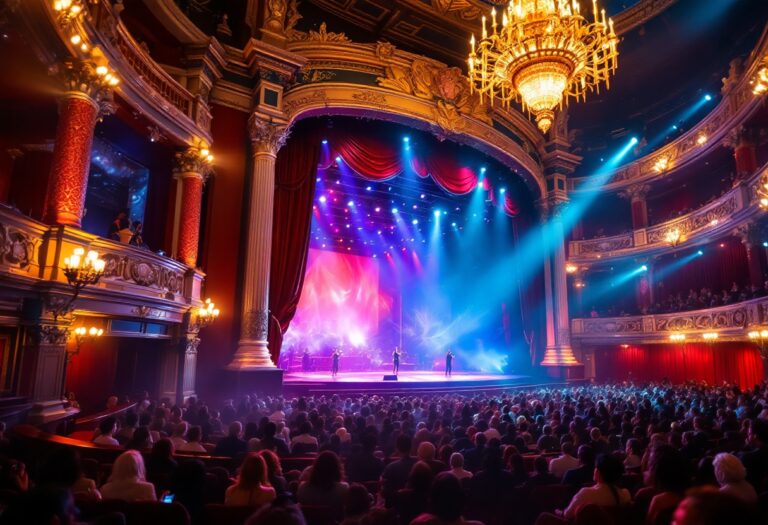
pixel 732 477
pixel 325 486
pixel 127 481
pixel 252 488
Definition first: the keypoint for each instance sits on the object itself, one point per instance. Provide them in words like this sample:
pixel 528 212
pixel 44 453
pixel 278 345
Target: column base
pixel 564 372
pixel 559 356
pixel 237 383
pixel 251 355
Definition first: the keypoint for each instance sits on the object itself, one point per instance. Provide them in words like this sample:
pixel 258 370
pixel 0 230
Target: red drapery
pixel 294 190
pixel 379 157
pixel 734 362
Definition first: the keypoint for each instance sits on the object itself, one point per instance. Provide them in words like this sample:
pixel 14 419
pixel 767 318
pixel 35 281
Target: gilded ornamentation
pixel 322 35
pixel 265 135
pixel 636 192
pixel 275 15
pixel 142 272
pixel 192 160
pixel 318 96
pixel 191 344
pixel 315 75
pixel 16 247
pixel 384 50
pixel 464 8
pixel 605 245
pixel 53 335
pixel 440 83
pixel 81 76
pixel 370 97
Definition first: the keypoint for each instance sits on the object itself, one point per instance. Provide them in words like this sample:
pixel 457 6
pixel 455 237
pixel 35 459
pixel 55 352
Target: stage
pixel 298 383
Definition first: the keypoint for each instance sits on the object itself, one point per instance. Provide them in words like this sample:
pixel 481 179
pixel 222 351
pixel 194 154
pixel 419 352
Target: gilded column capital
pixel 193 162
pixel 635 192
pixel 89 81
pixel 267 135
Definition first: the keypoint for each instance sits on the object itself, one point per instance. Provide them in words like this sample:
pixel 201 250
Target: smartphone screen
pixel 168 498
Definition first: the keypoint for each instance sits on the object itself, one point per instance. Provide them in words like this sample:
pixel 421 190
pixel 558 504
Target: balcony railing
pixel 149 285
pixel 738 103
pixel 730 322
pixel 715 218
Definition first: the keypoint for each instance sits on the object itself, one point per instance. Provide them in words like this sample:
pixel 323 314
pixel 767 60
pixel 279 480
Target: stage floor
pixel 410 381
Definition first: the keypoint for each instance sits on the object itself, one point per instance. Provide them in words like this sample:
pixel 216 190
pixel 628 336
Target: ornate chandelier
pixel 543 52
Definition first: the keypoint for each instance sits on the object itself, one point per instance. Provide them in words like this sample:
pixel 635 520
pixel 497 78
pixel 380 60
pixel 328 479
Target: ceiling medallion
pixel 542 53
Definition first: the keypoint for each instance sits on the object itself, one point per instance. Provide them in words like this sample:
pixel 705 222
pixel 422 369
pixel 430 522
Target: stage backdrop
pixel 733 362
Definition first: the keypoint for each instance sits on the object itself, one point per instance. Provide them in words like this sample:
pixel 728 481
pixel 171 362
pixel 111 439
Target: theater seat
pixel 318 515
pixel 136 513
pixel 217 514
pixel 597 515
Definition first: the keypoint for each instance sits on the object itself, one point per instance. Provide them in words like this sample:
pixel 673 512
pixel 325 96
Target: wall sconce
pixel 83 334
pixel 760 82
pixel 571 268
pixel 67 10
pixel 673 236
pixel 661 164
pixel 677 338
pixel 205 315
pixel 701 139
pixel 83 269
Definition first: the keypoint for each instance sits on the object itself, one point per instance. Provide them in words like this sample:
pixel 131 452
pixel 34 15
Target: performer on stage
pixel 448 363
pixel 335 360
pixel 305 361
pixel 396 360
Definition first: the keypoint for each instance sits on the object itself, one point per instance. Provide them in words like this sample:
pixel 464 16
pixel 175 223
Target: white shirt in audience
pixel 106 440
pixel 192 446
pixel 562 464
pixel 177 442
pixel 599 494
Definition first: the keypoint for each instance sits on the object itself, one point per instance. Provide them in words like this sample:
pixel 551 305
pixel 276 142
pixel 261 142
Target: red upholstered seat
pixel 217 514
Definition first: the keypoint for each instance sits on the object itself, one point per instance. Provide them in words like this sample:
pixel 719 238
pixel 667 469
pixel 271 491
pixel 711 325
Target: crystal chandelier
pixel 543 52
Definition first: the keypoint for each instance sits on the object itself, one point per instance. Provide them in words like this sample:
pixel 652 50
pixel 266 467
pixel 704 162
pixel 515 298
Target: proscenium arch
pixel 328 100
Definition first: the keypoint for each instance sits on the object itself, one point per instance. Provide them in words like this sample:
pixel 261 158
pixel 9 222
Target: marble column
pixel 192 168
pixel 267 137
pixel 85 98
pixel 561 353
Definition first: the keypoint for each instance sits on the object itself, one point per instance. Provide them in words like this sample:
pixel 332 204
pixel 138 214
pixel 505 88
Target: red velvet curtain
pixel 445 169
pixel 295 172
pixel 370 157
pixel 734 362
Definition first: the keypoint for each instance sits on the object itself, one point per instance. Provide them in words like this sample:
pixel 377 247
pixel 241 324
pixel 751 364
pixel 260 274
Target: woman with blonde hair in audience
pixel 252 487
pixel 128 481
pixel 731 476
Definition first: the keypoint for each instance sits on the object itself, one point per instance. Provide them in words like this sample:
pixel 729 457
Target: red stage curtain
pixel 714 363
pixel 446 170
pixel 368 156
pixel 294 190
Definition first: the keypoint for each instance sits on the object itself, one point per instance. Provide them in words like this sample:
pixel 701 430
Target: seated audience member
pixel 178 437
pixel 706 506
pixel 446 503
pixel 457 467
pixel 304 442
pixel 755 460
pixel 604 493
pixel 141 440
pixel 193 444
pixel 231 445
pixel 274 472
pixel 473 456
pixel 362 465
pixel 396 473
pixel 270 442
pixel 412 500
pixel 127 481
pixel 547 442
pixel 541 474
pixel 188 487
pixel 48 504
pixel 488 486
pixel 129 425
pixel 670 476
pixel 634 454
pixel 107 428
pixel 732 478
pixel 252 487
pixel 564 462
pixel 62 469
pixel 426 453
pixel 518 470
pixel 325 486
pixel 584 473
pixel 278 513
pixel 356 505
pixel 160 461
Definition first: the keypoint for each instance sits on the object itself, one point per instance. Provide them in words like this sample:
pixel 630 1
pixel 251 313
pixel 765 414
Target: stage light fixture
pixel 702 253
pixel 643 268
pixel 437 214
pixel 707 97
pixel 482 170
pixel 633 141
pixel 453 224
pixel 503 190
pixel 351 203
pixel 368 188
pixel 377 209
pixel 415 222
pixel 325 141
pixel 338 158
pixel 323 199
pixel 406 139
pixel 394 210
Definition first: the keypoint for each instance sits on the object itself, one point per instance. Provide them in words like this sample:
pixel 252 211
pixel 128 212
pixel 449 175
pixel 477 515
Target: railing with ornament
pixel 736 105
pixel 717 217
pixel 32 253
pixel 142 79
pixel 732 321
